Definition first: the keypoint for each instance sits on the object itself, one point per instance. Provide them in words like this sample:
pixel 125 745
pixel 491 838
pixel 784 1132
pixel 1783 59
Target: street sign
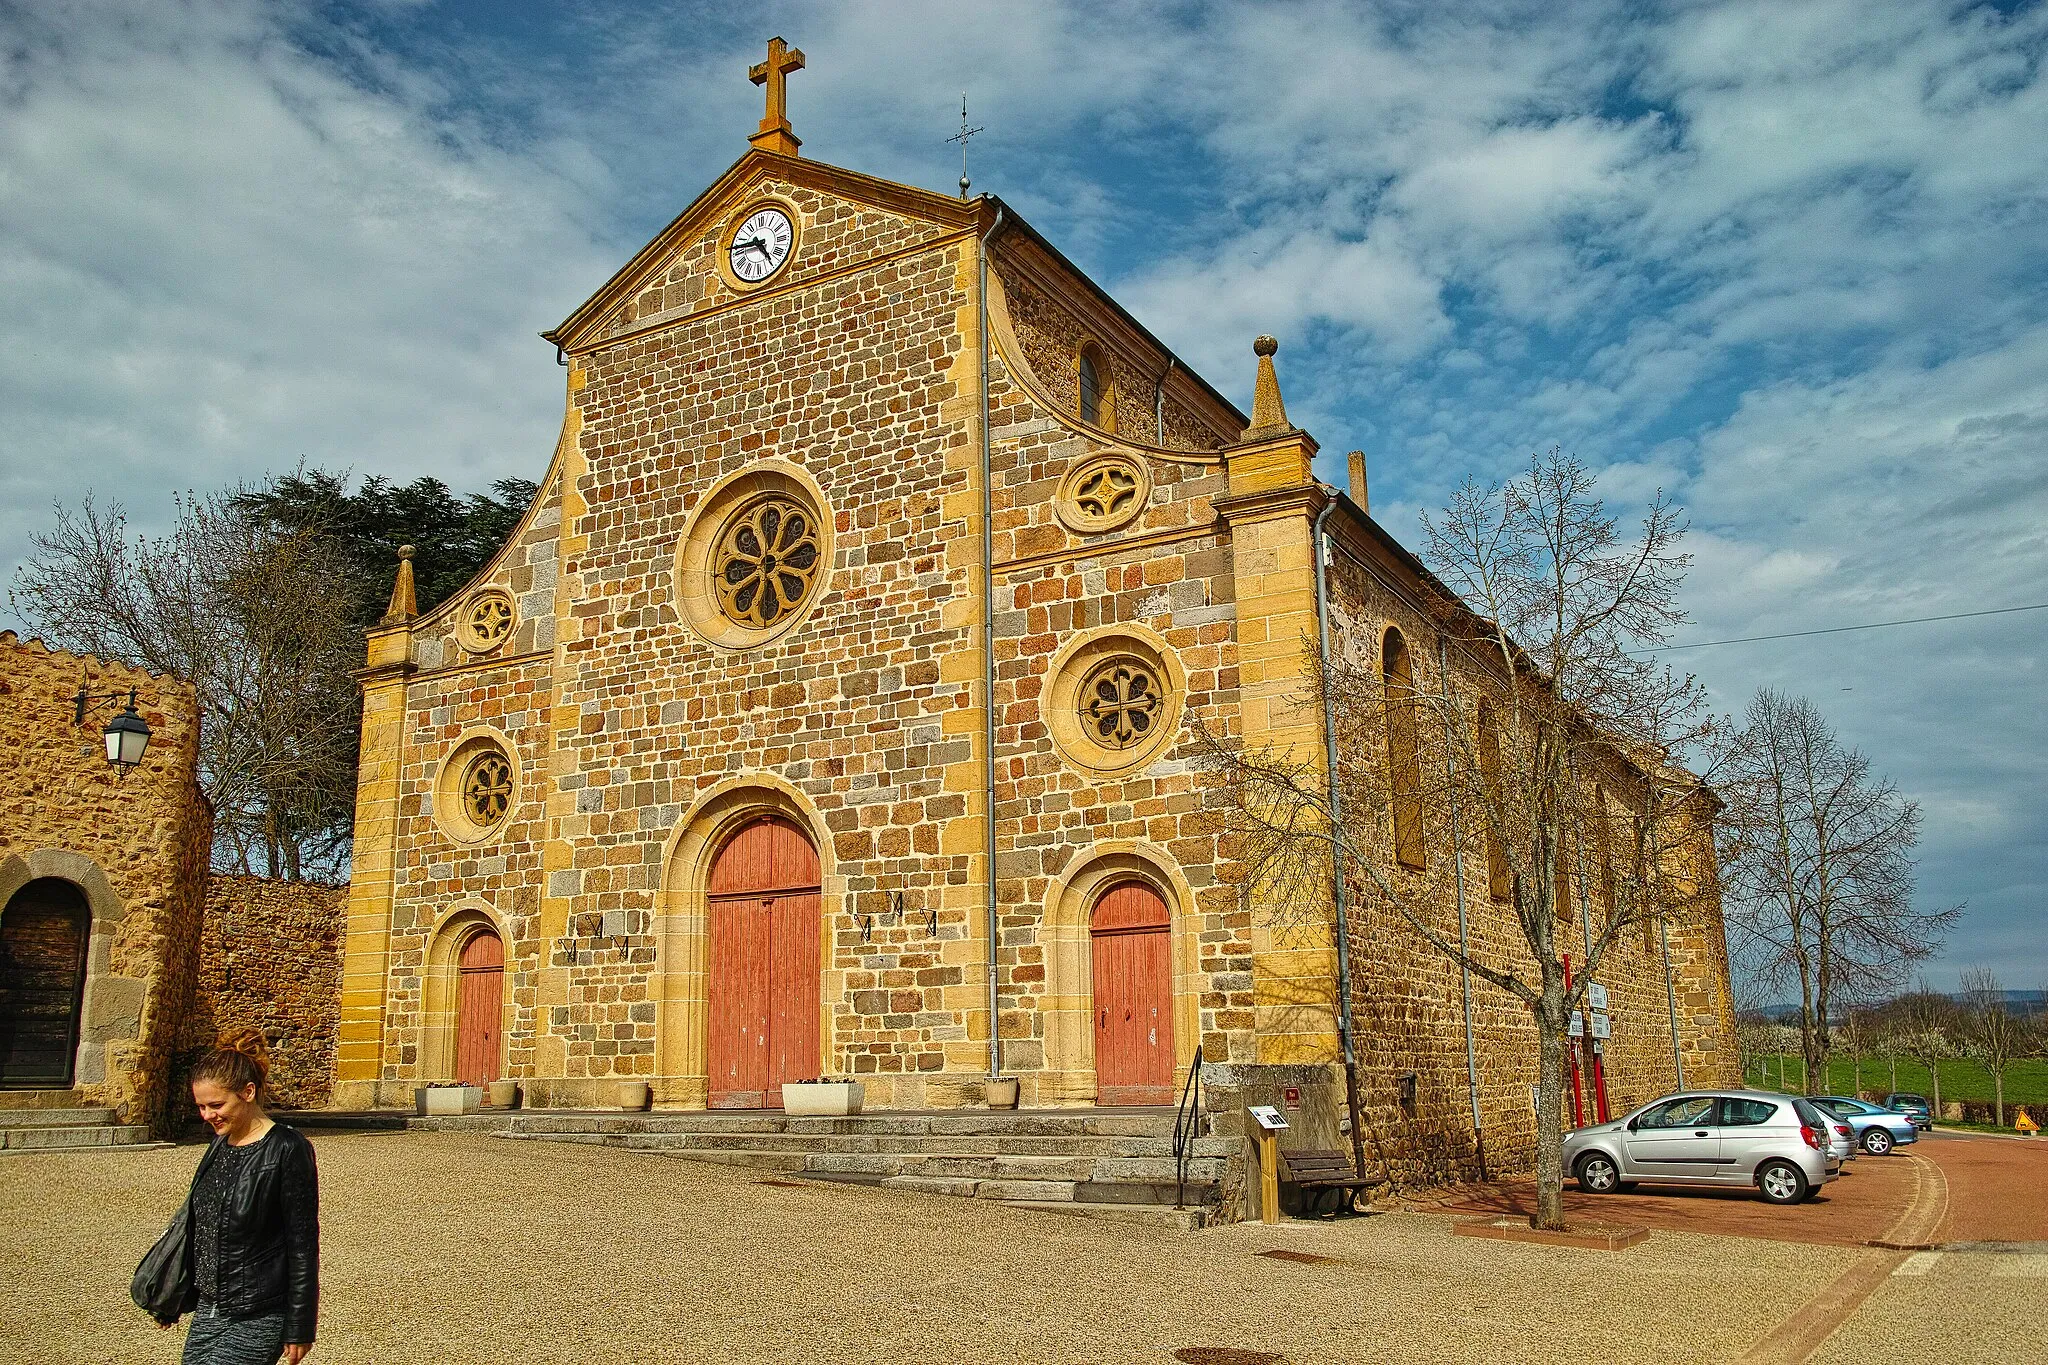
pixel 1267 1117
pixel 1601 1028
pixel 1596 996
pixel 1578 1024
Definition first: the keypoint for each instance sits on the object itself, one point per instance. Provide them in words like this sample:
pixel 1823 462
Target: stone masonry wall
pixel 136 844
pixel 270 960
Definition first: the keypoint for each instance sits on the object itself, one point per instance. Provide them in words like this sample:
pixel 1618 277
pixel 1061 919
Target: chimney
pixel 1356 459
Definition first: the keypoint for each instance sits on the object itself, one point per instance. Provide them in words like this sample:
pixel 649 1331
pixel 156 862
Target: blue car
pixel 1874 1128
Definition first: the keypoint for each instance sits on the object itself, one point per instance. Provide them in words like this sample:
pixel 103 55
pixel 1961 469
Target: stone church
pixel 829 712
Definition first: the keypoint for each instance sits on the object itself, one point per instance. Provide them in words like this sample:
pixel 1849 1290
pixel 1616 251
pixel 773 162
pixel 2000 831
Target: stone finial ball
pixel 1265 346
pixel 405 552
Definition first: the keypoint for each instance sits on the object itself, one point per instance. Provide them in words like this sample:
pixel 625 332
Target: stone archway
pixel 441 983
pixel 1068 1009
pixel 44 930
pixel 110 1009
pixel 681 929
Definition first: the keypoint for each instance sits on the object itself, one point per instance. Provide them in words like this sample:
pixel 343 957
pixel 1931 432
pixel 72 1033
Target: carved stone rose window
pixel 1102 493
pixel 487 788
pixel 488 621
pixel 766 559
pixel 1120 702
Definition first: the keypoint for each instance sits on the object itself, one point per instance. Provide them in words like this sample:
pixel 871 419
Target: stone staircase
pixel 41 1129
pixel 1095 1163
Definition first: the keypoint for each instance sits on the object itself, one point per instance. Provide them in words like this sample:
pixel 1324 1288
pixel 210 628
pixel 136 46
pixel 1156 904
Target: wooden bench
pixel 1314 1172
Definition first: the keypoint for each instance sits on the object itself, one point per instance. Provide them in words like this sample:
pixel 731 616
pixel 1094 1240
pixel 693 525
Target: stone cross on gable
pixel 775 134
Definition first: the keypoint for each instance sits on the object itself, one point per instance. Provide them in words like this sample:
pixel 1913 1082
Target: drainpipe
pixel 1159 404
pixel 988 658
pixel 1671 1004
pixel 1443 671
pixel 1336 857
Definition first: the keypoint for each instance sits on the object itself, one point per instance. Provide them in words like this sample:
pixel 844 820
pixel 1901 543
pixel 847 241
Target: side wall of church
pixel 135 844
pixel 1408 998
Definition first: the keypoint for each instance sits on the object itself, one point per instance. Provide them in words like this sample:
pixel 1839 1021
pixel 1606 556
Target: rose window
pixel 1105 492
pixel 766 560
pixel 1120 703
pixel 487 788
pixel 490 620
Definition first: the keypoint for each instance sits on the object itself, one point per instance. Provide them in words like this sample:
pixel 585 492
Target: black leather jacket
pixel 270 1246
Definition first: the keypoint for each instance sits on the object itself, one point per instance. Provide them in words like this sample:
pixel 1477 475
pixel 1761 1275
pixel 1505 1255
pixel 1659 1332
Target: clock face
pixel 761 245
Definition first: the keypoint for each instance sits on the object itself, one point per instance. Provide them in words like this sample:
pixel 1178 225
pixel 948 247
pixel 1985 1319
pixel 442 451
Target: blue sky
pixel 1785 260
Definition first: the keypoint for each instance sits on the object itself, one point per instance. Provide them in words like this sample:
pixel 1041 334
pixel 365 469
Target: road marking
pixel 1919 1263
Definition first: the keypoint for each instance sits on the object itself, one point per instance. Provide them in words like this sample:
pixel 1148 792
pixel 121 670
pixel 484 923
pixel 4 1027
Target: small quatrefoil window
pixel 487 788
pixel 1120 703
pixel 488 620
pixel 1102 493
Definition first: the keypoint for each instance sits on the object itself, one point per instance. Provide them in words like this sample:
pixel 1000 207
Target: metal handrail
pixel 1187 1124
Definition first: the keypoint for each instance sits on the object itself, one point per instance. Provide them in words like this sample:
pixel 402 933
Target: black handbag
pixel 163 1286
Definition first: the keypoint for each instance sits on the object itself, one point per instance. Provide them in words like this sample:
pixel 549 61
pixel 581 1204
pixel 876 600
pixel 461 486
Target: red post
pixel 1578 1095
pixel 1599 1086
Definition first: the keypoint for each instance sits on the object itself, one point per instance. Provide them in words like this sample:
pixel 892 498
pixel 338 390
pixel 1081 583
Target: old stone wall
pixel 135 844
pixel 270 960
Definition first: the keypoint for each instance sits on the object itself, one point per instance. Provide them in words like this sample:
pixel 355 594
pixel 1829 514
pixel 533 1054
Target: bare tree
pixel 259 621
pixel 1927 1029
pixel 1994 1034
pixel 1554 759
pixel 1816 853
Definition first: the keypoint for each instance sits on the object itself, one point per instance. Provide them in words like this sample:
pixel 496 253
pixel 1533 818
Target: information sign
pixel 1578 1024
pixel 1601 1028
pixel 1267 1117
pixel 1596 996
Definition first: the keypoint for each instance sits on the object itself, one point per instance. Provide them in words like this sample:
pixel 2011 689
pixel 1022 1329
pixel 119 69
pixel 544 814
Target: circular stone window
pixel 1102 493
pixel 1114 699
pixel 755 557
pixel 476 788
pixel 488 620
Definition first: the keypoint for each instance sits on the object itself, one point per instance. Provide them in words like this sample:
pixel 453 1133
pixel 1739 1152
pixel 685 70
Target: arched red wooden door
pixel 1133 997
pixel 764 963
pixel 43 934
pixel 479 1008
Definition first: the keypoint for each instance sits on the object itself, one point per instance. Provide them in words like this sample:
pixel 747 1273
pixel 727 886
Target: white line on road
pixel 1919 1263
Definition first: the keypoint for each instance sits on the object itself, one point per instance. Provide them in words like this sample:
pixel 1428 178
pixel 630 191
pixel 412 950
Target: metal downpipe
pixel 988 658
pixel 1342 893
pixel 1443 671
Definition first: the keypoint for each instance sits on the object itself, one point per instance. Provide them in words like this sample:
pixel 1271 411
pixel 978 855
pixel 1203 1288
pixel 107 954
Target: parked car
pixel 1782 1144
pixel 1914 1106
pixel 1877 1130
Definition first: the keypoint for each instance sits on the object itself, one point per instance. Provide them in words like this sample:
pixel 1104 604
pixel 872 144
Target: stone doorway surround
pixel 440 985
pixel 111 1013
pixel 681 930
pixel 1067 1010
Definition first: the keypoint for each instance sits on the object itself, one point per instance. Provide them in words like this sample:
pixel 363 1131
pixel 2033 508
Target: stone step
pixel 58 1118
pixel 54 1138
pixel 1005 1167
pixel 1025 1189
pixel 1150 1215
pixel 1052 1124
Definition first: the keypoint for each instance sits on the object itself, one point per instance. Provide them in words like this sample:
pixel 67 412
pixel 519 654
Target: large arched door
pixel 479 1008
pixel 43 936
pixel 763 903
pixel 1133 978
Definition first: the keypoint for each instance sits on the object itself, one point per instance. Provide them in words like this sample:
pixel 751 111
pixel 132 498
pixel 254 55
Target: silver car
pixel 1877 1130
pixel 1781 1144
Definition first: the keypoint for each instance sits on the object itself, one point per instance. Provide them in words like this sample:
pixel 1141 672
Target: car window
pixel 1746 1113
pixel 1687 1111
pixel 1840 1108
pixel 1810 1114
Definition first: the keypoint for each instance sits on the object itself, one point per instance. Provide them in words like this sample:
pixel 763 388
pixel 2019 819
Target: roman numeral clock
pixel 760 244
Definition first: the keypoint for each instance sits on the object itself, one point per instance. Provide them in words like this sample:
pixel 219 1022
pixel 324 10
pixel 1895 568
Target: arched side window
pixel 1097 388
pixel 1404 766
pixel 1498 883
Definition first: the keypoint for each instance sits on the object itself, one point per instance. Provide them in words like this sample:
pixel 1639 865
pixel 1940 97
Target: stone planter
pixel 631 1095
pixel 442 1101
pixel 835 1099
pixel 1000 1092
pixel 504 1094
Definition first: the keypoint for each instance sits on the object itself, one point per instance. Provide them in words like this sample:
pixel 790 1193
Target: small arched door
pixel 479 1008
pixel 1133 976
pixel 43 935
pixel 764 964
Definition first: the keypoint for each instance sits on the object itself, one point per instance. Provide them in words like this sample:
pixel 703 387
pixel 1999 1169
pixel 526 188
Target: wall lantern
pixel 127 733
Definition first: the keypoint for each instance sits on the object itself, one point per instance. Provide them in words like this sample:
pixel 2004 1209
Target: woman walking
pixel 254 1221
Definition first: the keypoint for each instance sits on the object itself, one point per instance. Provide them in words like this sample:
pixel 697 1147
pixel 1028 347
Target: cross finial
pixel 775 135
pixel 961 138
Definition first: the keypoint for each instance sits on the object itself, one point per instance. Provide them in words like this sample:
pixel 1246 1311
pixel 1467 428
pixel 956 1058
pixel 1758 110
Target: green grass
pixel 2026 1082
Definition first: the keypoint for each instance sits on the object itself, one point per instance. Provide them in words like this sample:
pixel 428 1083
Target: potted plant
pixel 1000 1092
pixel 823 1096
pixel 443 1099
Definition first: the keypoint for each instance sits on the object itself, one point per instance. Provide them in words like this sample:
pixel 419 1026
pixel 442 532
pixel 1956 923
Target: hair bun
pixel 250 1044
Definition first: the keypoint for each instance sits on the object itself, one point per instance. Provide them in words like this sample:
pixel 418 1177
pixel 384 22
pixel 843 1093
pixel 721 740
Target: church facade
pixel 830 710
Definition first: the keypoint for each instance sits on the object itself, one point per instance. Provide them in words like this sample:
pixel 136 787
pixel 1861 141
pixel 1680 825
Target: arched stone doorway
pixel 480 1008
pixel 762 903
pixel 44 933
pixel 1131 952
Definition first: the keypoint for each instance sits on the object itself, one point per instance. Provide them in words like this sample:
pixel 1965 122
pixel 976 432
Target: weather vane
pixel 961 138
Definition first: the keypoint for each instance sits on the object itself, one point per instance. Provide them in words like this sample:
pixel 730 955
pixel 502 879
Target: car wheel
pixel 1597 1173
pixel 1877 1141
pixel 1780 1182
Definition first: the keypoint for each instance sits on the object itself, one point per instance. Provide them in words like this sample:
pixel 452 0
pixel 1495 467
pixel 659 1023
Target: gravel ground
pixel 452 1248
